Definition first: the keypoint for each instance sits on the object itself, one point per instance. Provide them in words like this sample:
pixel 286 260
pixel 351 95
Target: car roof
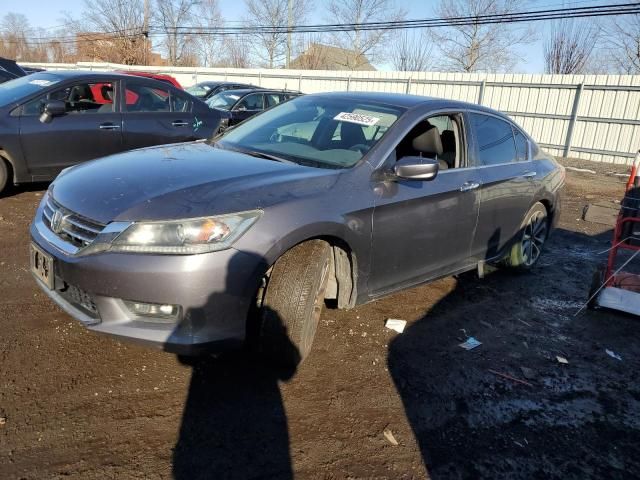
pixel 407 101
pixel 243 91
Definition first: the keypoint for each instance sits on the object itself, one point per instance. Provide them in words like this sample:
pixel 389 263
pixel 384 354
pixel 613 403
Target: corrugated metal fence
pixel 594 117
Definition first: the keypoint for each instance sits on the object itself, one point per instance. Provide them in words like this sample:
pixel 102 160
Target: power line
pixel 503 18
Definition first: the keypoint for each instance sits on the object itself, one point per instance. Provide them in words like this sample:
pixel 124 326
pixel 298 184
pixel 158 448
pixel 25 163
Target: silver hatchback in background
pixel 343 197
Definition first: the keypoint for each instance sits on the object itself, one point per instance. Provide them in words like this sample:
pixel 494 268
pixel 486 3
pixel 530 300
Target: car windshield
pixel 198 90
pixel 315 130
pixel 14 90
pixel 223 100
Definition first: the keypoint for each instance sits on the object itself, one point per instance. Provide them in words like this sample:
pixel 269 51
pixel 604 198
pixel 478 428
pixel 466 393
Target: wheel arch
pixel 5 157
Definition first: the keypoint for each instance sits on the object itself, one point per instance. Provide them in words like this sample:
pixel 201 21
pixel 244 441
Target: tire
pixel 4 174
pixel 292 303
pixel 596 282
pixel 524 254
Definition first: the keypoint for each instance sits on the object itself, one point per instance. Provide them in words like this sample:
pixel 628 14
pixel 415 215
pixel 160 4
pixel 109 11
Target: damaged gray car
pixel 328 199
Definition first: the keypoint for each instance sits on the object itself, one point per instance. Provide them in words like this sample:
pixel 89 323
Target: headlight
pixel 182 237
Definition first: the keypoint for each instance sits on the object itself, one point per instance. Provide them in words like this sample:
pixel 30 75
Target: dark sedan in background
pixel 52 120
pixel 235 106
pixel 341 196
pixel 205 90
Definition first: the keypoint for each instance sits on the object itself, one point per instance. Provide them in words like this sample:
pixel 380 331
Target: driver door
pixel 425 229
pixel 90 128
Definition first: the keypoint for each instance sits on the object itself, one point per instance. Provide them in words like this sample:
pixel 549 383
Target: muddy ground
pixel 77 405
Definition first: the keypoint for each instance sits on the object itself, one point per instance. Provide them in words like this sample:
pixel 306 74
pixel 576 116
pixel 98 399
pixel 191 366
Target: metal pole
pixel 574 118
pixel 348 83
pixel 483 84
pixel 300 83
pixel 289 25
pixel 145 32
pixel 408 85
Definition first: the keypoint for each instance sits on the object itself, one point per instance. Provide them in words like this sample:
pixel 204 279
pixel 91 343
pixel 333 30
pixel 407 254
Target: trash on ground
pixel 395 324
pixel 583 170
pixel 561 359
pixel 470 343
pixel 388 434
pixel 3 420
pixel 509 377
pixel 613 355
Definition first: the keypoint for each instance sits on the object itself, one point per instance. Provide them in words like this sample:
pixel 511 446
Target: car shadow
pixel 468 421
pixel 234 425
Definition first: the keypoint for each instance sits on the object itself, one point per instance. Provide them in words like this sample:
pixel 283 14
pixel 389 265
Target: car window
pixel 17 89
pixel 253 101
pixel 522 146
pixel 495 140
pixel 303 130
pixel 273 99
pixel 223 100
pixel 145 98
pixel 79 98
pixel 438 133
pixel 180 103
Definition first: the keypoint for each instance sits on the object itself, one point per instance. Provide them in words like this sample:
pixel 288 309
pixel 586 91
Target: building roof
pixel 327 57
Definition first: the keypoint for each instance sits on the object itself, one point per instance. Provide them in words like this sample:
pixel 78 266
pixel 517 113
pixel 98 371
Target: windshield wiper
pixel 258 154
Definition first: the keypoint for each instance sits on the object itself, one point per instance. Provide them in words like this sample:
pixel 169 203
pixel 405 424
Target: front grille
pixel 70 227
pixel 80 299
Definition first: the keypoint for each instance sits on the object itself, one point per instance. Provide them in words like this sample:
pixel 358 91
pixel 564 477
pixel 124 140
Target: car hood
pixel 182 181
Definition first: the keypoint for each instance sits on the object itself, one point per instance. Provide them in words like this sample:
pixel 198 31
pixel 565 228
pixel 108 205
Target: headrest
pixel 428 143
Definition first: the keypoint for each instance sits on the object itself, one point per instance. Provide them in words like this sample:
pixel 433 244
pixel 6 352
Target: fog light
pixel 156 310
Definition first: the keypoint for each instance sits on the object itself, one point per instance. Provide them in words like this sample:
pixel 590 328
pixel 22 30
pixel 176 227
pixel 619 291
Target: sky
pixel 47 13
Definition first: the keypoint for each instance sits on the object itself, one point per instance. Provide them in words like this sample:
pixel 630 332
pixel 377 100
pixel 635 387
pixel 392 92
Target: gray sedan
pixel 333 198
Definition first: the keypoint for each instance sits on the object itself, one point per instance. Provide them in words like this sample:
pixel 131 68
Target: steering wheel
pixel 359 147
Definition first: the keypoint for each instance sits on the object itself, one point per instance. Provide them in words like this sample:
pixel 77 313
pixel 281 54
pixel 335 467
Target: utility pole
pixel 145 30
pixel 289 25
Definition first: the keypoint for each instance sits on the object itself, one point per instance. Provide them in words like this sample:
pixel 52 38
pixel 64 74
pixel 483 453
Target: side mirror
pixel 53 108
pixel 241 108
pixel 416 168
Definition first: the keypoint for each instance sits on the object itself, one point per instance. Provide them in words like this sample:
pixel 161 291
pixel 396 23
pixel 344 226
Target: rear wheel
pixel 534 231
pixel 293 301
pixel 4 174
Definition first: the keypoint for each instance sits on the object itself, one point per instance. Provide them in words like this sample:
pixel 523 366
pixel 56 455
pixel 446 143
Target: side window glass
pixel 180 103
pixel 143 98
pixel 495 140
pixel 251 102
pixel 273 99
pixel 81 99
pixel 522 146
pixel 435 137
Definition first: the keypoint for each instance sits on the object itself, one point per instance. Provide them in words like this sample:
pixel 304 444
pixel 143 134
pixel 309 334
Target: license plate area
pixel 42 265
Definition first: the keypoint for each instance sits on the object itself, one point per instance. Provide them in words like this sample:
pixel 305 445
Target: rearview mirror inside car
pixel 416 168
pixel 53 108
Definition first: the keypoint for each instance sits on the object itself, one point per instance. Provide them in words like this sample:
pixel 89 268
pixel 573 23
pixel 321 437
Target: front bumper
pixel 214 290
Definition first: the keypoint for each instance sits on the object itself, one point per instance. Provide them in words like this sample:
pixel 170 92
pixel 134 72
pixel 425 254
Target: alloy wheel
pixel 533 238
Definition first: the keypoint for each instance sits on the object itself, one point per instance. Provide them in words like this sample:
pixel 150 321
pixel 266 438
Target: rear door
pixel 155 114
pixel 90 128
pixel 508 183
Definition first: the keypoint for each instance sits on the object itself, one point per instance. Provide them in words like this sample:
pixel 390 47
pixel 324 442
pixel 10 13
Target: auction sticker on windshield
pixel 42 83
pixel 357 118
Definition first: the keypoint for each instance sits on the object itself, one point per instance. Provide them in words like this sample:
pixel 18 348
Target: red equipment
pixel 615 288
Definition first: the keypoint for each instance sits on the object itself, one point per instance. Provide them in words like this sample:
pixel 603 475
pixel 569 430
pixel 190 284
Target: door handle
pixel 466 186
pixel 179 123
pixel 108 126
pixel 529 174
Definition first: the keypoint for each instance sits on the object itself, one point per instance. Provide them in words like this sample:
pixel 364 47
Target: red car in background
pixel 158 76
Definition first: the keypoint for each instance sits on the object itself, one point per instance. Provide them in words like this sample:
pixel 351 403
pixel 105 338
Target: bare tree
pixel 208 45
pixel 237 52
pixel 622 43
pixel 15 31
pixel 365 44
pixel 270 47
pixel 170 16
pixel 569 46
pixel 411 52
pixel 473 46
pixel 109 30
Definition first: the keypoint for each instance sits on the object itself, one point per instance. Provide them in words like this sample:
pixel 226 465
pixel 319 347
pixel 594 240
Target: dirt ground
pixel 77 405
